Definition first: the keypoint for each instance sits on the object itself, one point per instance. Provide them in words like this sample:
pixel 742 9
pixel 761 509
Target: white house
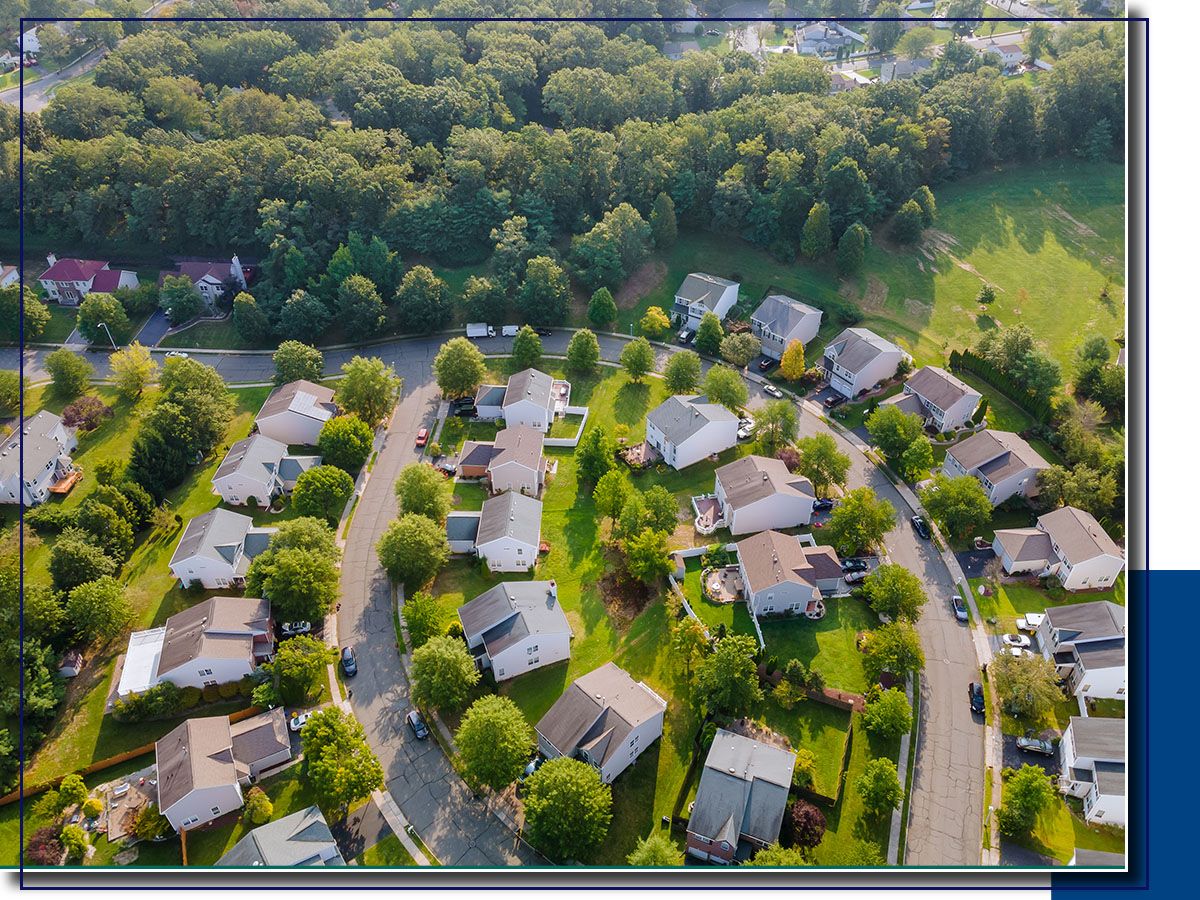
pixel 531 398
pixel 756 493
pixel 858 359
pixel 517 462
pixel 1092 754
pixel 213 279
pixel 516 627
pixel 701 293
pixel 216 549
pixel 68 281
pixel 1006 53
pixel 296 412
pixel 1086 643
pixel 604 718
pixel 781 576
pixel 686 429
pixel 779 320
pixel 825 38
pixel 1068 543
pixel 217 641
pixel 48 445
pixel 29 44
pixel 301 839
pixel 510 532
pixel 257 469
pixel 1003 462
pixel 9 275
pixel 203 764
pixel 943 401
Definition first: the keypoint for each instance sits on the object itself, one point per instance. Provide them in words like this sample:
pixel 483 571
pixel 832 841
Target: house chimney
pixel 51 259
pixel 552 591
pixel 235 269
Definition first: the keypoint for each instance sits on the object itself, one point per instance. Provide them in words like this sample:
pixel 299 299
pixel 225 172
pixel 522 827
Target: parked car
pixel 1016 640
pixel 712 32
pixel 290 629
pixel 509 330
pixel 419 729
pixel 448 469
pixel 1030 622
pixel 176 354
pixel 771 391
pixel 1035 745
pixel 543 332
pixel 1018 652
pixel 349 662
pixel 921 527
pixel 422 437
pixel 765 364
pixel 296 722
pixel 823 505
pixel 463 407
pixel 854 565
pixel 834 400
pixel 534 765
pixel 975 692
pixel 960 608
pixel 686 337
pixel 854 577
pixel 745 432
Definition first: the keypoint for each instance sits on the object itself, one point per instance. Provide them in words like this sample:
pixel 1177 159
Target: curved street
pixel 947 795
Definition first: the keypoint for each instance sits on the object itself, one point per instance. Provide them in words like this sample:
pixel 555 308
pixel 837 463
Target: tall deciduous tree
pixel 422 489
pixel 413 549
pixel 297 361
pixel 69 373
pixel 682 372
pixel 299 668
pixel 323 492
pixel 132 369
pixel 360 308
pixel 595 455
pixel 739 349
pixel 583 352
pixel 423 301
pixel 646 555
pixel 893 648
pixel 102 320
pixel 345 442
pixel 459 368
pixel 960 505
pixel 567 809
pixel 888 714
pixel 369 388
pixel 545 292
pixel 1026 793
pixel 725 386
pixel 791 365
pixel 494 742
pixel 893 430
pixel 860 521
pixel 422 617
pixel 638 359
pixel 776 424
pixel 442 673
pixel 98 609
pixel 818 234
pixel 709 334
pixel 662 221
pixel 895 592
pixel 611 492
pixel 727 679
pixel 1027 685
pixel 654 323
pixel 526 349
pixel 338 764
pixel 879 786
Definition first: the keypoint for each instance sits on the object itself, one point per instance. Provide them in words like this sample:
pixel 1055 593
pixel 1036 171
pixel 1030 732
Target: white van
pixel 510 330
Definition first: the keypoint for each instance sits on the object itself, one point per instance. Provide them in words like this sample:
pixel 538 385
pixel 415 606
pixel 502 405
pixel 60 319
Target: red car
pixel 422 437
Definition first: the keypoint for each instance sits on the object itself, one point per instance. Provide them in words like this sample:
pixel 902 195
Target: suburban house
pixel 701 293
pixel 301 839
pixel 1009 55
pixel 216 549
pixel 825 38
pixel 839 81
pixel 204 763
pixel 604 718
pixel 687 429
pixel 943 401
pixel 902 68
pixel 516 627
pixel 1092 754
pixel 858 359
pixel 46 468
pixel 217 641
pixel 755 493
pixel 212 278
pixel 1086 643
pixel 257 469
pixel 781 576
pixel 531 398
pixel 779 320
pixel 1067 543
pixel 9 275
pixel 296 412
pixel 510 532
pixel 68 281
pixel 512 462
pixel 1003 462
pixel 741 798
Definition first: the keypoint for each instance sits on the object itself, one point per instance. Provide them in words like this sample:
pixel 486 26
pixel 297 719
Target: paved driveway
pixel 360 831
pixel 154 330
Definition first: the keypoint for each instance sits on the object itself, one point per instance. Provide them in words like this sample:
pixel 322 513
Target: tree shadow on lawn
pixel 580 530
pixel 536 691
pixel 631 403
pixel 635 800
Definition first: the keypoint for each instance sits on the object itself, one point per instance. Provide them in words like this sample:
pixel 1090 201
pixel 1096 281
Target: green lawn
pixel 388 852
pixel 1016 599
pixel 565 427
pixel 61 324
pixel 817 727
pixel 847 823
pixel 214 335
pixel 1060 830
pixel 82 734
pixel 854 415
pixel 469 496
pixel 828 645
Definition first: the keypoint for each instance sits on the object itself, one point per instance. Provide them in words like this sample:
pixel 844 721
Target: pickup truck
pixel 480 330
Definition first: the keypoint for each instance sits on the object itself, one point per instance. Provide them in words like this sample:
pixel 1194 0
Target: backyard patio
pixel 723 584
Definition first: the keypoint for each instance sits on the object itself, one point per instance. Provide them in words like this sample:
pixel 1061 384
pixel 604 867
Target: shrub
pixel 228 690
pixel 44 847
pixel 49 518
pixel 211 693
pixel 189 697
pixel 92 807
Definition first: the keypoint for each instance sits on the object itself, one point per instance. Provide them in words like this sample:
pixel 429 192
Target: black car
pixel 921 527
pixel 419 729
pixel 854 565
pixel 834 401
pixel 349 662
pixel 1029 744
pixel 823 505
pixel 975 692
pixel 765 363
pixel 464 407
pixel 543 332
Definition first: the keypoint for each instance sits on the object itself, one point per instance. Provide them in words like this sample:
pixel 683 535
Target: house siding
pixel 638 739
pixel 521 657
pixel 208 572
pixel 712 438
pixel 514 477
pixel 848 383
pixel 1100 572
pixel 238 488
pixel 291 428
pixel 508 555
pixel 219 671
pixel 775 512
pixel 525 412
pixel 200 803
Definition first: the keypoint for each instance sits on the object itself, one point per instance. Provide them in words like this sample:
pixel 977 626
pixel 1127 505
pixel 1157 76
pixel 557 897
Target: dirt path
pixel 643 280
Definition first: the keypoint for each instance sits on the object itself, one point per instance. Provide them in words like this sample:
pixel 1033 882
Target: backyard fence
pixel 569 441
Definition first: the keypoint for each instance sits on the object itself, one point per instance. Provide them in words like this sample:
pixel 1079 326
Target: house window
pixel 216 810
pixel 205 672
pixel 532 650
pixel 520 552
pixel 189 821
pixel 210 682
pixel 533 661
pixel 499 673
pixel 1120 691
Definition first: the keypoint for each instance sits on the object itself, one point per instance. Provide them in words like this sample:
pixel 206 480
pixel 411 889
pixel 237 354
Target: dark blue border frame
pixel 1084 884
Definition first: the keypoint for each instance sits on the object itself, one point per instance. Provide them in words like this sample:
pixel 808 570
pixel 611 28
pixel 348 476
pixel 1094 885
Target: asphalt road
pixel 947 798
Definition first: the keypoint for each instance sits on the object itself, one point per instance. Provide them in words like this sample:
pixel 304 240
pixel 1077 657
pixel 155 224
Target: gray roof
pixel 513 515
pixel 751 478
pixel 476 453
pixel 40 447
pixel 511 610
pixel 678 418
pixel 256 456
pixel 215 534
pixel 219 627
pixel 855 348
pixel 259 737
pixel 292 467
pixel 1098 858
pixel 531 385
pixel 597 712
pixel 782 315
pixel 300 839
pixel 939 387
pixel 700 287
pixel 743 790
pixel 1024 544
pixel 490 395
pixel 1102 654
pixel 997 454
pixel 909 403
pixel 1078 535
pixel 772 557
pixel 304 398
pixel 196 754
pixel 1087 621
pixel 520 444
pixel 1098 738
pixel 462 526
pixel 1110 778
